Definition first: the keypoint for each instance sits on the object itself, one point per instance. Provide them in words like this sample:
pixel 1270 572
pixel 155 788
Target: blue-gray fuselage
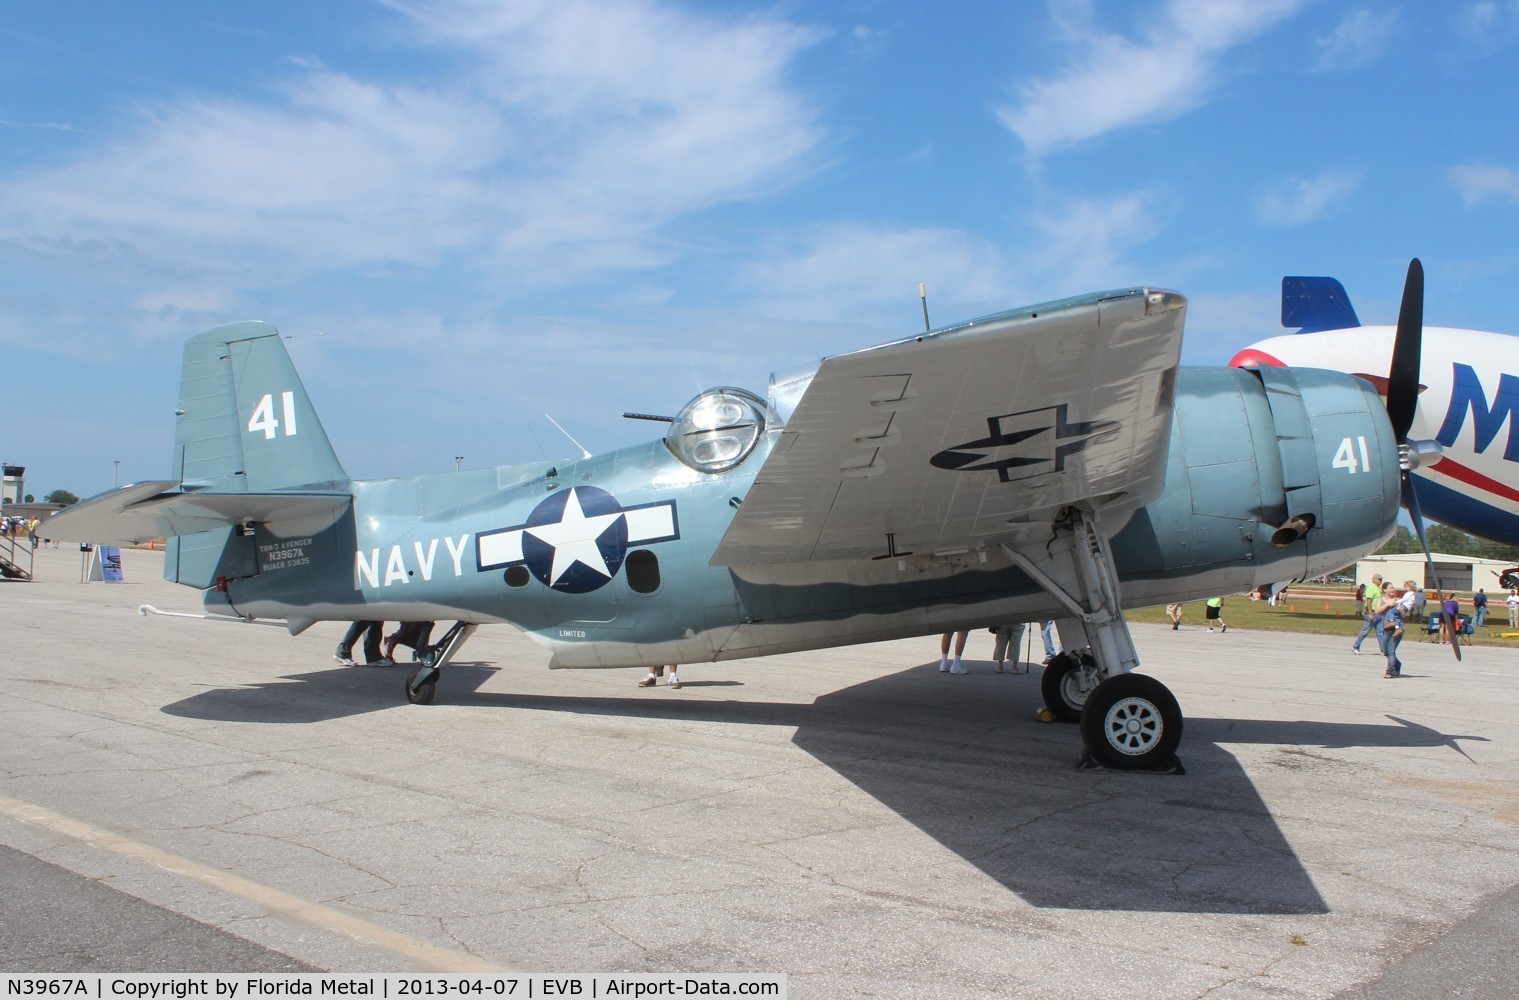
pixel 607 560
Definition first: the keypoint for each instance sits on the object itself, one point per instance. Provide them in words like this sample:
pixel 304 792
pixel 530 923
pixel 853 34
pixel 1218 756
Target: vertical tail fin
pixel 245 421
pixel 1315 304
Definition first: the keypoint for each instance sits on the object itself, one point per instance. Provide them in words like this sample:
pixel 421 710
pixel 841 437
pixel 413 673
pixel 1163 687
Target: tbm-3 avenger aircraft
pixel 1047 462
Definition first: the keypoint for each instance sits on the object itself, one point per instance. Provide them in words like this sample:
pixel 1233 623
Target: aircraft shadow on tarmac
pixel 970 767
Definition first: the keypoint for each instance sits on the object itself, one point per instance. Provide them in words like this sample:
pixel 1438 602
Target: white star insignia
pixel 573 539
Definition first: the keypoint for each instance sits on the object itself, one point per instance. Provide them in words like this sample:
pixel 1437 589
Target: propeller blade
pixel 1403 375
pixel 1411 501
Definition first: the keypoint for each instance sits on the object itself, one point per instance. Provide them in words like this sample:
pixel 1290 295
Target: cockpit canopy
pixel 718 429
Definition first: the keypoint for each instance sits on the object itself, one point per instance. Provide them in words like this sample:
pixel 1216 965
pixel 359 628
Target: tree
pixel 28 498
pixel 61 496
pixel 1448 541
pixel 1401 542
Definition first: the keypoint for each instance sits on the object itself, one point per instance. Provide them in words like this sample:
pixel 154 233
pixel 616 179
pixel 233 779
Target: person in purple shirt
pixel 1449 609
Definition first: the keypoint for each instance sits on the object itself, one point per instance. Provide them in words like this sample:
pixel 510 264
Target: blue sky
pixel 466 214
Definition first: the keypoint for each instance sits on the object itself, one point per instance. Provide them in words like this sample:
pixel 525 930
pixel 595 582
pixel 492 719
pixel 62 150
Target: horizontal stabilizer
pixel 143 511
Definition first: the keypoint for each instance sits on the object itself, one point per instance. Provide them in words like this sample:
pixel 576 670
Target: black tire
pixel 1058 686
pixel 421 694
pixel 1131 722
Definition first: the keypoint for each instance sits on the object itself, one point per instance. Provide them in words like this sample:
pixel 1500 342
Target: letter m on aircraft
pixel 1466 394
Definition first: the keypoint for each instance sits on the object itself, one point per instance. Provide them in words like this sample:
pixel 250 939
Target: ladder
pixel 10 566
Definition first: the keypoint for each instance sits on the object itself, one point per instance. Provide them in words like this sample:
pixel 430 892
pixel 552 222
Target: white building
pixel 1459 573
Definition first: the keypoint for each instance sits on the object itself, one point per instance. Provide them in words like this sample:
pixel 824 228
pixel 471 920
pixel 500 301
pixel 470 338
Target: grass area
pixel 1321 611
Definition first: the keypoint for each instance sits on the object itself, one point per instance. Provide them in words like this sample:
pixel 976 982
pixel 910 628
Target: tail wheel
pixel 1061 687
pixel 421 694
pixel 1131 722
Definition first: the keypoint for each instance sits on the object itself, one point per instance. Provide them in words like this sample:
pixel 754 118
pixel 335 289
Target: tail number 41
pixel 1345 457
pixel 263 418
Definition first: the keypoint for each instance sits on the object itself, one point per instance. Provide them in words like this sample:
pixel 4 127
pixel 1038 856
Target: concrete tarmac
pixel 852 818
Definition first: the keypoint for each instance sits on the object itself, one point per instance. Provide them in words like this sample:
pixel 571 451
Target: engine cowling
pixel 1275 474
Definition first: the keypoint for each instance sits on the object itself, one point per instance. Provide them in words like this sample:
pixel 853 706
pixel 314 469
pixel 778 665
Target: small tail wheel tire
pixel 1131 722
pixel 1061 687
pixel 423 693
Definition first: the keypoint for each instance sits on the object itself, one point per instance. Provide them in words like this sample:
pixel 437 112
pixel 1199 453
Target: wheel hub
pixel 1133 726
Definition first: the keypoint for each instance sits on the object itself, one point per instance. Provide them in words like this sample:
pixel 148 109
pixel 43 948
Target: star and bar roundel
pixel 575 540
pixel 1021 445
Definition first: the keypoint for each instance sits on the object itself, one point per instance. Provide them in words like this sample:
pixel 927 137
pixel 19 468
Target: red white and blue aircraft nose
pixel 1468 403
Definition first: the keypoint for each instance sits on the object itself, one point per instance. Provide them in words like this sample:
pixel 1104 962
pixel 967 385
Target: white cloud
pixel 1299 200
pixel 1114 82
pixel 1083 241
pixel 847 270
pixel 565 136
pixel 1358 40
pixel 1482 183
pixel 1487 26
pixel 1479 20
pixel 342 172
pixel 52 126
pixel 867 43
pixel 1218 325
pixel 867 275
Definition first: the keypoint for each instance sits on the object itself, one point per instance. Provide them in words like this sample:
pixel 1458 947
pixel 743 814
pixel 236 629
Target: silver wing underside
pixel 960 437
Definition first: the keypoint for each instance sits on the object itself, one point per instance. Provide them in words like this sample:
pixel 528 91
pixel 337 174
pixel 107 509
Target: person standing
pixel 1174 610
pixel 1009 638
pixel 1215 613
pixel 372 632
pixel 1513 608
pixel 1391 612
pixel 1479 608
pixel 953 666
pixel 656 672
pixel 1370 620
pixel 1450 609
pixel 412 634
pixel 1046 632
pixel 1413 601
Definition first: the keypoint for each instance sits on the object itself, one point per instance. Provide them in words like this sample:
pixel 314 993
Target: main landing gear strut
pixel 1129 721
pixel 422 682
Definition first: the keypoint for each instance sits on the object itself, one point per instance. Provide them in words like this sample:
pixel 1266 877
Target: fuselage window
pixel 718 429
pixel 642 567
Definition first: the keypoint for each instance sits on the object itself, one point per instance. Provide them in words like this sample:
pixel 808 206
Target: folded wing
pixel 960 436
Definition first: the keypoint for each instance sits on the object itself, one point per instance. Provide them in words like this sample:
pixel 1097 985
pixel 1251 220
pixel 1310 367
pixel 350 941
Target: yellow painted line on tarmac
pixel 276 901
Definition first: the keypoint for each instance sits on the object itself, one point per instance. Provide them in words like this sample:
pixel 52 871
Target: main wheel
pixel 421 694
pixel 1131 722
pixel 1061 687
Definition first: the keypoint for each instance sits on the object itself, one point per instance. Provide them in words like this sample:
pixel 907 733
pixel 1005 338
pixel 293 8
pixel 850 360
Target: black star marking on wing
pixel 1038 441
